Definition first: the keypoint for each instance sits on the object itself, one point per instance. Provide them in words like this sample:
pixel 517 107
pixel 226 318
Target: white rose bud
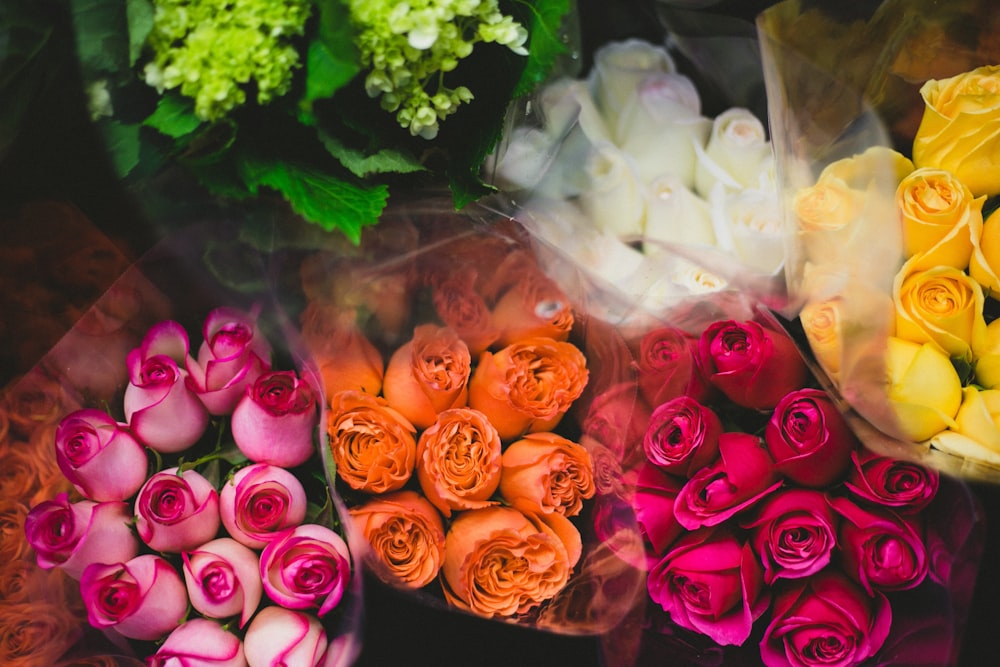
pixel 618 69
pixel 736 155
pixel 614 199
pixel 675 214
pixel 749 225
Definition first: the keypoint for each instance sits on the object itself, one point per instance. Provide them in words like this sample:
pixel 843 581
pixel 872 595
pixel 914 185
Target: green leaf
pixel 140 23
pixel 320 198
pixel 174 117
pixel 122 140
pixel 101 30
pixel 332 59
pixel 362 164
pixel 546 43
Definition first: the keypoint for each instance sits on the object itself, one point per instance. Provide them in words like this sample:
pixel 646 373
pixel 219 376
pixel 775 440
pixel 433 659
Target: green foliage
pixel 546 45
pixel 363 164
pixel 174 117
pixel 332 59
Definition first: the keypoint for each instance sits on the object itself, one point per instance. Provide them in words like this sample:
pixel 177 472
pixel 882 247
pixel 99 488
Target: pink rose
pixel 653 503
pixel 617 419
pixel 71 536
pixel 879 548
pixel 275 420
pixel 753 366
pixel 259 502
pixel 279 636
pixel 143 598
pixel 199 643
pixel 233 355
pixel 668 366
pixel 809 439
pixel 710 582
pixel 99 456
pixel 159 407
pixel 307 567
pixel 794 532
pixel 176 512
pixel 223 579
pixel 743 474
pixel 682 436
pixel 825 620
pixel 905 486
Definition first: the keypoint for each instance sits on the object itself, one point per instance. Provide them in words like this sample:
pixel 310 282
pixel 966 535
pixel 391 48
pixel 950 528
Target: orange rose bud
pixel 428 374
pixel 534 306
pixel 406 535
pixel 372 445
pixel 528 386
pixel 500 561
pixel 463 309
pixel 544 472
pixel 345 357
pixel 458 461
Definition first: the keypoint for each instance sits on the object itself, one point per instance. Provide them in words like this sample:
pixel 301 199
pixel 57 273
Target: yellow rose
pixel 976 433
pixel 924 389
pixel 988 363
pixel 985 260
pixel 942 306
pixel 825 212
pixel 941 218
pixel 960 128
pixel 875 164
pixel 821 323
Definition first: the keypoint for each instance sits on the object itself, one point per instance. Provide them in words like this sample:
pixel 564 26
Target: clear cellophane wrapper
pixel 202 267
pixel 843 87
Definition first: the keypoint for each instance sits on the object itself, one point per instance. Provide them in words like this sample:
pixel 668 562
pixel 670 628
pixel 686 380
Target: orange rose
pixel 373 446
pixel 34 400
pixel 941 218
pixel 463 309
pixel 458 461
pixel 500 562
pixel 544 472
pixel 406 535
pixel 528 386
pixel 13 544
pixel 428 374
pixel 345 357
pixel 532 307
pixel 36 633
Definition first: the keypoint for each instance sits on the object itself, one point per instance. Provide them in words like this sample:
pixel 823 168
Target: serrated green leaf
pixel 122 140
pixel 174 117
pixel 101 30
pixel 332 59
pixel 139 14
pixel 546 43
pixel 362 164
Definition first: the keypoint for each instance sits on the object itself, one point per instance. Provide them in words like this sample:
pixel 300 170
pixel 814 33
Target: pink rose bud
pixel 279 636
pixel 143 598
pixel 275 420
pixel 159 407
pixel 99 456
pixel 307 567
pixel 259 502
pixel 177 512
pixel 668 366
pixel 223 579
pixel 199 643
pixel 233 355
pixel 809 439
pixel 617 419
pixel 682 436
pixel 71 536
pixel 653 504
pixel 905 486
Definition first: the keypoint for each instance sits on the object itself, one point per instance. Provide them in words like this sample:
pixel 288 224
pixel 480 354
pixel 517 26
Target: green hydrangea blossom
pixel 212 50
pixel 409 45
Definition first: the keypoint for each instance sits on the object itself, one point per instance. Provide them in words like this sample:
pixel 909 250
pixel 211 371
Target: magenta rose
pixel 223 579
pixel 753 366
pixel 668 366
pixel 614 525
pixel 233 355
pixel 279 636
pixel 71 536
pixel 742 475
pixel 823 621
pixel 275 420
pixel 710 582
pixel 653 503
pixel 143 598
pixel 99 456
pixel 307 567
pixel 199 643
pixel 905 486
pixel 794 532
pixel 879 548
pixel 176 512
pixel 160 408
pixel 259 502
pixel 682 436
pixel 809 439
pixel 617 419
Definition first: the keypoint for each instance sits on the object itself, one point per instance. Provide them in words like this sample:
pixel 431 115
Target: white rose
pixel 749 225
pixel 675 214
pixel 736 154
pixel 614 199
pixel 525 161
pixel 567 102
pixel 618 69
pixel 660 125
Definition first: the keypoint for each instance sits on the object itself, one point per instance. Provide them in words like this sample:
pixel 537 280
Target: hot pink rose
pixel 71 536
pixel 176 512
pixel 682 436
pixel 199 643
pixel 653 502
pixel 143 598
pixel 279 636
pixel 742 475
pixel 617 419
pixel 711 582
pixel 809 439
pixel 99 456
pixel 223 579
pixel 234 354
pixel 307 567
pixel 160 408
pixel 794 532
pixel 823 621
pixel 668 367
pixel 275 420
pixel 753 366
pixel 879 548
pixel 905 486
pixel 259 502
